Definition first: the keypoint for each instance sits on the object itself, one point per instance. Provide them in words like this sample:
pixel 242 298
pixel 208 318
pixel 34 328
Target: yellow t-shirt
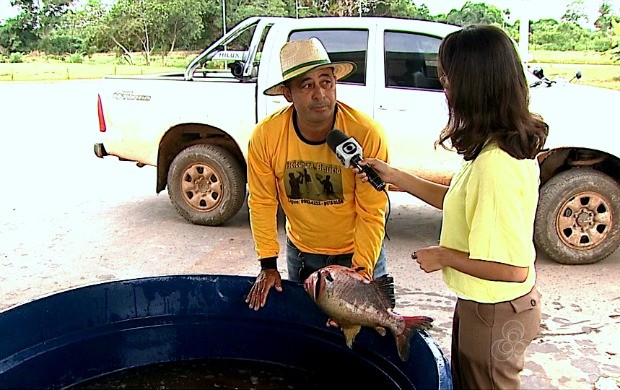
pixel 327 210
pixel 489 212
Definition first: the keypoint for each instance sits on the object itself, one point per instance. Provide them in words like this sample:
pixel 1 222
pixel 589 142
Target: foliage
pixel 476 13
pixel 603 22
pixel 154 27
pixel 616 39
pixel 575 13
pixel 403 9
pixel 241 10
pixel 76 58
pixel 151 25
pixel 16 58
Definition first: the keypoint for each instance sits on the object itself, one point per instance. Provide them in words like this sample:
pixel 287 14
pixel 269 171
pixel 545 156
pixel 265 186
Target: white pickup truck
pixel 195 126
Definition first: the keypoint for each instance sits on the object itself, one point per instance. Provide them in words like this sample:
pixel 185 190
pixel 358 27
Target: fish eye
pixel 329 277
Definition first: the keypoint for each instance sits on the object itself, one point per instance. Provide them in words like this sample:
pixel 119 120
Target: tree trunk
pixel 126 52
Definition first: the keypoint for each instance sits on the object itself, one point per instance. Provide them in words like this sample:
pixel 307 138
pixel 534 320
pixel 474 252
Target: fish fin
pixel 404 339
pixel 418 322
pixel 350 332
pixel 381 330
pixel 402 343
pixel 385 286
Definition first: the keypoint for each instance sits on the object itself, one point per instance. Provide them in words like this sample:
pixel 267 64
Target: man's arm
pixel 263 206
pixel 262 200
pixel 371 207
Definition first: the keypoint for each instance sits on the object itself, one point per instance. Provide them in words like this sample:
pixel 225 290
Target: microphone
pixel 349 152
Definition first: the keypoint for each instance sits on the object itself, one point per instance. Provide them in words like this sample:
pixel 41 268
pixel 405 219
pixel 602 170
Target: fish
pixel 352 301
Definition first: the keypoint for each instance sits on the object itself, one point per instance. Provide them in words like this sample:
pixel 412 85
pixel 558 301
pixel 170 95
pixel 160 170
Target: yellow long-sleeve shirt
pixel 327 210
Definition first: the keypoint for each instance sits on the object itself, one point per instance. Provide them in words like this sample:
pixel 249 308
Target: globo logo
pixel 349 147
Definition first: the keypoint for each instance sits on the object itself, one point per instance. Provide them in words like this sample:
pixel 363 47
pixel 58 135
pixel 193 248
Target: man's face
pixel 314 95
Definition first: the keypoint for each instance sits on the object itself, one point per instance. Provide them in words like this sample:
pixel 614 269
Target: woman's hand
pixel 384 171
pixel 430 259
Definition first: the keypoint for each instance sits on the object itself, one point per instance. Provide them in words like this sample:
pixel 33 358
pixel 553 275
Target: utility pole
pixel 524 31
pixel 223 17
pixel 297 8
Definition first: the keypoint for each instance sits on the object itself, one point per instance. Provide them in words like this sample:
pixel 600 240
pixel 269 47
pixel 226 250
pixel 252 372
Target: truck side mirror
pixel 576 76
pixel 538 72
pixel 236 68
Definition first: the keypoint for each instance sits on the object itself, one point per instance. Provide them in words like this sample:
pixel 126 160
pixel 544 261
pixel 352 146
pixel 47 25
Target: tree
pixel 180 21
pixel 575 13
pixel 345 7
pixel 603 22
pixel 15 38
pixel 89 24
pixel 211 19
pixel 147 25
pixel 402 9
pixel 476 13
pixel 243 9
pixel 615 25
pixel 37 19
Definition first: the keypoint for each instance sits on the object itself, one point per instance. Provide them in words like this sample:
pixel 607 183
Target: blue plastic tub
pixel 69 337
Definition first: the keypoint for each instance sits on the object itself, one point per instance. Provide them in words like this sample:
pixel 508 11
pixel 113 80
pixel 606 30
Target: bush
pixel 16 58
pixel 76 58
pixel 601 44
pixel 60 44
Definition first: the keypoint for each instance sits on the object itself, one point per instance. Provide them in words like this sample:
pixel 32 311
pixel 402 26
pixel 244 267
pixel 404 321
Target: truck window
pixel 411 60
pixel 342 45
pixel 230 57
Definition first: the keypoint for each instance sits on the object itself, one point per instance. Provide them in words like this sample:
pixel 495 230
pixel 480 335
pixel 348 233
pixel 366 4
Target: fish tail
pixel 403 339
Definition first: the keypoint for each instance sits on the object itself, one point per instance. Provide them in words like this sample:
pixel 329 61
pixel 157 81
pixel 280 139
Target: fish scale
pixel 363 300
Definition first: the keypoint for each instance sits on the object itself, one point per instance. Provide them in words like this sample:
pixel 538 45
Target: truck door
pixel 411 105
pixel 341 45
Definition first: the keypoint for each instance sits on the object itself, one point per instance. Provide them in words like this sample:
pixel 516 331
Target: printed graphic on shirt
pixel 309 182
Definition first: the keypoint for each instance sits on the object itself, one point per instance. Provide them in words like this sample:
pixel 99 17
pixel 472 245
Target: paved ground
pixel 68 219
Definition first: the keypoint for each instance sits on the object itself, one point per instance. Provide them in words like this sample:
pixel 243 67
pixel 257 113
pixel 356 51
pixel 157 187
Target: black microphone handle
pixel 373 177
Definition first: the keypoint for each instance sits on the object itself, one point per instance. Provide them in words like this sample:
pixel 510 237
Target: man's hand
pixel 332 322
pixel 266 279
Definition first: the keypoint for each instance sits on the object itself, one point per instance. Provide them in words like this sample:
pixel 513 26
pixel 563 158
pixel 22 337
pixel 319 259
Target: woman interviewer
pixel 486 251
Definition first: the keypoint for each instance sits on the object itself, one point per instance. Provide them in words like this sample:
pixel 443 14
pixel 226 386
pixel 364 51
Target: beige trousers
pixel 489 341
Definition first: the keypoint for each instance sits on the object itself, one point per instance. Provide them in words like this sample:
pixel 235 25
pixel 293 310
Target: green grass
pixel 573 57
pixel 42 72
pixel 40 67
pixel 598 69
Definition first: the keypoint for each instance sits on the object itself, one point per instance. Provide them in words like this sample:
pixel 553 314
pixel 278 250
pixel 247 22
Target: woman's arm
pixel 425 190
pixel 435 258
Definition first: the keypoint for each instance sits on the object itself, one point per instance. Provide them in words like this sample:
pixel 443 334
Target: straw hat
pixel 302 56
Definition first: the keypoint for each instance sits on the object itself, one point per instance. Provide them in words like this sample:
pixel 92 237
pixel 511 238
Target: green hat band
pixel 317 62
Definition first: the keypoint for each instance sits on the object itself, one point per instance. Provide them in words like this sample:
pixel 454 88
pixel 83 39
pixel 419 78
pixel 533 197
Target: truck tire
pixel 206 184
pixel 577 220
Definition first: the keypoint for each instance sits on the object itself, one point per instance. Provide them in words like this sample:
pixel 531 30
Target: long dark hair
pixel 488 97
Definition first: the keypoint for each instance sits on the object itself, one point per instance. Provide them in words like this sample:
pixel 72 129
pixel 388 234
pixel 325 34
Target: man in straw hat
pixel 330 217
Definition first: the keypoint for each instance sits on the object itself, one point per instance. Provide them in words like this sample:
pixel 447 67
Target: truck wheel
pixel 577 221
pixel 206 184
